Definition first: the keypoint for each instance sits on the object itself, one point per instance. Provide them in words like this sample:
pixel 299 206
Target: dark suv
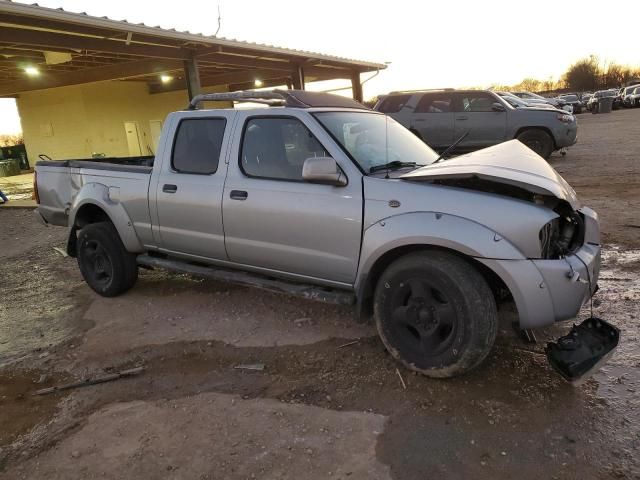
pixel 439 117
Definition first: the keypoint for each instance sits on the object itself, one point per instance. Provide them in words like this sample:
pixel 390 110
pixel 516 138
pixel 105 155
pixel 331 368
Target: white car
pixel 534 98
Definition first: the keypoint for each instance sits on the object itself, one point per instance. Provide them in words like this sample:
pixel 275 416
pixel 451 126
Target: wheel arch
pixel 537 127
pixel 367 285
pixel 94 204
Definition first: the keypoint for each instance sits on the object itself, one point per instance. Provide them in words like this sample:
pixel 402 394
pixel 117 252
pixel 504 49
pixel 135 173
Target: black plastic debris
pixel 583 349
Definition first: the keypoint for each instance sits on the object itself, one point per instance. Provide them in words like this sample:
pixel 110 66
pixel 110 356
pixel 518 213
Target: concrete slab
pixel 157 311
pixel 16 179
pixel 19 204
pixel 217 436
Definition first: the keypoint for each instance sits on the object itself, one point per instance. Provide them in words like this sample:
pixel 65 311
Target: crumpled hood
pixel 511 163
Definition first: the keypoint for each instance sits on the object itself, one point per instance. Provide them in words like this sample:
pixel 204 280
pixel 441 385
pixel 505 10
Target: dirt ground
pixel 329 402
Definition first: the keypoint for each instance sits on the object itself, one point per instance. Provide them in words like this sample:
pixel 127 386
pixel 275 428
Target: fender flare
pixel 107 199
pixel 428 229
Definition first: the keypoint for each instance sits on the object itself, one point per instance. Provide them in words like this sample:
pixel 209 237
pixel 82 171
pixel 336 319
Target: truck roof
pixel 280 98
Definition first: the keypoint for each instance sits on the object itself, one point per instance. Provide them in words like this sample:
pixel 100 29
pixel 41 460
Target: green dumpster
pixel 9 167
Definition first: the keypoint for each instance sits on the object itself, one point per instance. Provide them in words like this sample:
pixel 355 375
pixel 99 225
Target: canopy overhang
pixel 43 48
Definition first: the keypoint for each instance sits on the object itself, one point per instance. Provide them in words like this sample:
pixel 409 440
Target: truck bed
pixel 59 182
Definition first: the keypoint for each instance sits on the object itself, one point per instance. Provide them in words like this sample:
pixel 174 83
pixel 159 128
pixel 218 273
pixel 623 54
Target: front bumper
pixel 548 291
pixel 567 134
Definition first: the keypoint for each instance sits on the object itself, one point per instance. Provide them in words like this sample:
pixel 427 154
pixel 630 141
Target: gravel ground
pixel 323 406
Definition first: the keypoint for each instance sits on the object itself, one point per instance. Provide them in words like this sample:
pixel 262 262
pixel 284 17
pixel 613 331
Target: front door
pixel 474 114
pixel 190 184
pixel 433 119
pixel 275 220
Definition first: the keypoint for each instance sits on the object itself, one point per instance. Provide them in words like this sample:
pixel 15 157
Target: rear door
pixel 474 114
pixel 273 219
pixel 188 189
pixel 433 119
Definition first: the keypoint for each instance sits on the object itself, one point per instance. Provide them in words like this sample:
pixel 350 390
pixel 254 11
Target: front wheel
pixel 435 313
pixel 537 140
pixel 104 262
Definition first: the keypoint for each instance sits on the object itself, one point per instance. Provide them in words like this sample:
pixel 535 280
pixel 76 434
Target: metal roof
pixel 59 14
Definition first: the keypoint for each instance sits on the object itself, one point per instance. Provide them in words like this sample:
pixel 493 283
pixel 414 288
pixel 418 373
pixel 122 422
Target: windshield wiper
pixel 391 166
pixel 451 147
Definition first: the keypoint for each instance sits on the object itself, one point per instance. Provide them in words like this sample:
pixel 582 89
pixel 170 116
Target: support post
pixel 356 86
pixel 192 77
pixel 297 79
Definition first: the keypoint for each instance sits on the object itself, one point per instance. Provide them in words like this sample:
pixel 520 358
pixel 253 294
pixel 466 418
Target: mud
pixel 319 409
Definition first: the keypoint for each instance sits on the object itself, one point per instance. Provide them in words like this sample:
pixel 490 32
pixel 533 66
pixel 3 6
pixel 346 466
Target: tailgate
pixel 55 191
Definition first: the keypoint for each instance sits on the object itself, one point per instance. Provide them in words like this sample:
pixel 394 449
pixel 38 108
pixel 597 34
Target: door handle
pixel 167 188
pixel 462 118
pixel 419 120
pixel 238 195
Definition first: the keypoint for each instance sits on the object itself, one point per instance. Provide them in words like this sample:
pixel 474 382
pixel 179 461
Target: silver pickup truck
pixel 317 196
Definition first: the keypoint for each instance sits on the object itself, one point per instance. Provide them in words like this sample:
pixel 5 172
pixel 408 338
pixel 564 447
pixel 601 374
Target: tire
pixel 435 314
pixel 105 264
pixel 537 140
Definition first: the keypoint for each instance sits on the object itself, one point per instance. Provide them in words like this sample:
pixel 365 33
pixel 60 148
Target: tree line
pixel 586 74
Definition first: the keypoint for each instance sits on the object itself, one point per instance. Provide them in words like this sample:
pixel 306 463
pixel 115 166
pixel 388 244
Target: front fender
pixel 107 198
pixel 432 229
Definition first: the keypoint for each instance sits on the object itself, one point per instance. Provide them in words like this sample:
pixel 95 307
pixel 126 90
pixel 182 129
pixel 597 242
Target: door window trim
pixel 458 107
pixel 175 139
pixel 285 117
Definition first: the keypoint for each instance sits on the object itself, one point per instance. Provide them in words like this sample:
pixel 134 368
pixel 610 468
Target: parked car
pixel 584 98
pixel 634 97
pixel 323 198
pixel 593 101
pixel 535 98
pixel 573 100
pixel 517 102
pixel 618 100
pixel 626 96
pixel 439 117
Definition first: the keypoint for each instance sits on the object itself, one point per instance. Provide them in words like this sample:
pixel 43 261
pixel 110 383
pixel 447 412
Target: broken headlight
pixel 561 236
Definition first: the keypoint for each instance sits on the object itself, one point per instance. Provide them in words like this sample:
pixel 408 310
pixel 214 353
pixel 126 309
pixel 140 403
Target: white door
pixel 133 140
pixel 155 126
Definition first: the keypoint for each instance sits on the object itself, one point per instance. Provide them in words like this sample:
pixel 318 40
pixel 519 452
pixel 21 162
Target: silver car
pixel 440 117
pixel 320 197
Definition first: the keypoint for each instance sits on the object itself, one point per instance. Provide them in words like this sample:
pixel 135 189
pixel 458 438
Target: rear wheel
pixel 435 313
pixel 104 262
pixel 537 140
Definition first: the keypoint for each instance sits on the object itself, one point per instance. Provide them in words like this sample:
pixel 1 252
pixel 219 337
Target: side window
pixel 434 103
pixel 476 102
pixel 393 103
pixel 276 148
pixel 197 145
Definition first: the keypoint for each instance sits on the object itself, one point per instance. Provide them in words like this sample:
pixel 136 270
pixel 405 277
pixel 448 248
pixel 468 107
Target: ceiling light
pixel 166 78
pixel 32 71
pixel 257 82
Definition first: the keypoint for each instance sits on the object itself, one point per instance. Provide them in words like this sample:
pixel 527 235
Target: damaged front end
pixel 567 262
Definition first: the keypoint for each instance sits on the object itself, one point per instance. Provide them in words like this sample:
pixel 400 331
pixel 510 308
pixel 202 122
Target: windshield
pixel 373 139
pixel 569 98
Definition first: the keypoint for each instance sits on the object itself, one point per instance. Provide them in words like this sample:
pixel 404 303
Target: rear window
pixel 393 103
pixel 197 145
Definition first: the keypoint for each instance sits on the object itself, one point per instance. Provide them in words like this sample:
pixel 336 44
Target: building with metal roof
pixel 93 68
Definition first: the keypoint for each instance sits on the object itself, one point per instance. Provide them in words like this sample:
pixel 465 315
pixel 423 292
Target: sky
pixel 429 44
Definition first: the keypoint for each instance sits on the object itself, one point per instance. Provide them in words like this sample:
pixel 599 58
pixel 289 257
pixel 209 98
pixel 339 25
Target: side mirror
pixel 323 170
pixel 497 107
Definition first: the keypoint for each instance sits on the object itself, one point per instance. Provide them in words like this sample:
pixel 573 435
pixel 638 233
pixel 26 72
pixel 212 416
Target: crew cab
pixel 317 196
pixel 439 117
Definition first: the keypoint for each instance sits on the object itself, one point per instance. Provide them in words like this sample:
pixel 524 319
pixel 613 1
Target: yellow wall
pixel 79 120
